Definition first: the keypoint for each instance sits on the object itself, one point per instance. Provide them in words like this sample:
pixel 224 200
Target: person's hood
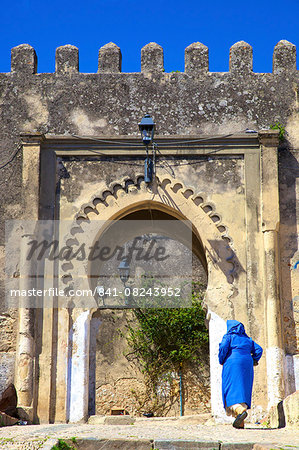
pixel 233 326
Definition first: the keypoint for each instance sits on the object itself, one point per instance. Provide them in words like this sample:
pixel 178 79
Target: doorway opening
pixel 118 380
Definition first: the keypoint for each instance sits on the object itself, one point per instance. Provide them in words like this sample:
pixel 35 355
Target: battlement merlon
pixel 24 59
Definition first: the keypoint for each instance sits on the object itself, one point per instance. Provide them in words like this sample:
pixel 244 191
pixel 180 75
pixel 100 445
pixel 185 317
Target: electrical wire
pixel 90 138
pixel 191 141
pixel 109 159
pixel 194 141
pixel 159 164
pixel 12 158
pixel 161 144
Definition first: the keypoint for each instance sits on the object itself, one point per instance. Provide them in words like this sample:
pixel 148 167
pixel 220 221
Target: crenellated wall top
pixel 24 59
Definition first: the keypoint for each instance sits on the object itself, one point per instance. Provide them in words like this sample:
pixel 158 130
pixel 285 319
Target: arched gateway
pixel 232 238
pixel 171 199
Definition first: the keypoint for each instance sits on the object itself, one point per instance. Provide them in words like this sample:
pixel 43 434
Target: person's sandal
pixel 239 419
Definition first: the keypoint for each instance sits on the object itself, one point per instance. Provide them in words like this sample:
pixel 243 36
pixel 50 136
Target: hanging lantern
pixel 124 270
pixel 147 129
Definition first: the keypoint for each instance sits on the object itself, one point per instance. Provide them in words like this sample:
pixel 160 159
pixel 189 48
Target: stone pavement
pixel 146 434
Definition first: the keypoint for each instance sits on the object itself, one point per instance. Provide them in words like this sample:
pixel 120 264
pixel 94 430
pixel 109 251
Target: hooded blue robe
pixel 237 352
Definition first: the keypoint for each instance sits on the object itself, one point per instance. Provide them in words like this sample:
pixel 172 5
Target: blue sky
pixel 131 25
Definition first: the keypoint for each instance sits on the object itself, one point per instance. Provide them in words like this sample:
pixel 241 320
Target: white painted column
pixel 78 404
pixel 296 371
pixel 217 329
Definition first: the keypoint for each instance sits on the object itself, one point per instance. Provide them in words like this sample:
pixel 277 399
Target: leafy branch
pixel 281 128
pixel 165 340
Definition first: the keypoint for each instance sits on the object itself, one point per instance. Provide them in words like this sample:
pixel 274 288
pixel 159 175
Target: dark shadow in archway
pixel 108 366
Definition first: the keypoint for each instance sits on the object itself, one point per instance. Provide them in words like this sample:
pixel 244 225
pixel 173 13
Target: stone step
pixel 127 419
pixel 149 444
pixel 111 420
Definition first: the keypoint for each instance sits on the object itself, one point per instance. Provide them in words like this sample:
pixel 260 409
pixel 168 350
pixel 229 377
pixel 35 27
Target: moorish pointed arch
pixel 171 196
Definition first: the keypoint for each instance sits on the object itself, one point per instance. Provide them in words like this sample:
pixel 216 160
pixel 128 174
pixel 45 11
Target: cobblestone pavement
pixel 35 436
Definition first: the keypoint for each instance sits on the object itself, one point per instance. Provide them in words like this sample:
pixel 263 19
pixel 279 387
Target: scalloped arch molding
pixel 174 198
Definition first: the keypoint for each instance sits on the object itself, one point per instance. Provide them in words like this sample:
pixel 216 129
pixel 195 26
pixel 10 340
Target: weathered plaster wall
pixel 193 102
pixel 289 207
pixel 289 251
pixel 224 175
pixel 8 332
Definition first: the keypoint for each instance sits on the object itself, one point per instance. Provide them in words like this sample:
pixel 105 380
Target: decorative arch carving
pixel 122 197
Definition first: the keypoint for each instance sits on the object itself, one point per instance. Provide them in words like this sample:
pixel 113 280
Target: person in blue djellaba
pixel 238 353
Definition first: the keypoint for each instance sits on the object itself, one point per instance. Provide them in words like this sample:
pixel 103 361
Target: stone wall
pixel 194 102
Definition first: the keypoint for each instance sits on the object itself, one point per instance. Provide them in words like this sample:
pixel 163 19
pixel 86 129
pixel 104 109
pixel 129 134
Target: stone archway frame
pixel 115 202
pixel 172 197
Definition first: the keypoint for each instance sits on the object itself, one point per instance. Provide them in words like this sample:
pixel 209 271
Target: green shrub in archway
pixel 165 340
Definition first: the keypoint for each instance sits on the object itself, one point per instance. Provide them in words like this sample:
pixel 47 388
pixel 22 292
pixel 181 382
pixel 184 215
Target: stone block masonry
pixel 112 102
pixel 195 103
